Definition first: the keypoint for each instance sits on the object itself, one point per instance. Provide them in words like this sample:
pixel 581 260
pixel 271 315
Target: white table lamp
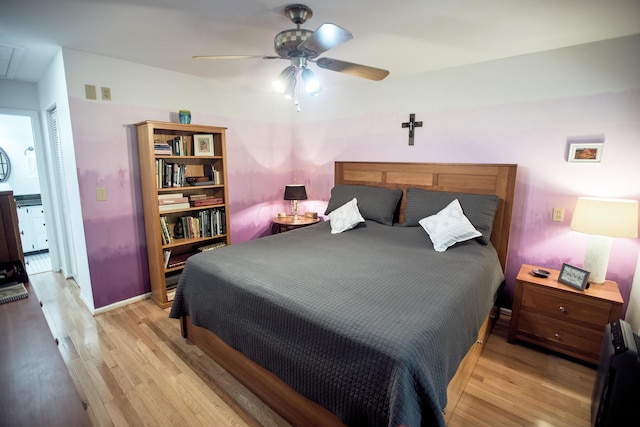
pixel 603 219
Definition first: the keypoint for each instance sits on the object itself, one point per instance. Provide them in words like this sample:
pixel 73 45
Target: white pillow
pixel 345 217
pixel 448 227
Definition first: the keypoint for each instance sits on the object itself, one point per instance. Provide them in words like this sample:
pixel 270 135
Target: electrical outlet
pixel 106 93
pixel 557 215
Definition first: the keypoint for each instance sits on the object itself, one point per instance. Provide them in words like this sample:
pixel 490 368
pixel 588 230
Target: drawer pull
pixel 557 335
pixel 561 308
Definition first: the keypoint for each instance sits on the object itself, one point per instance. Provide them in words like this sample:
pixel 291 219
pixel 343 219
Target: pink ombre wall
pixel 518 110
pixel 468 116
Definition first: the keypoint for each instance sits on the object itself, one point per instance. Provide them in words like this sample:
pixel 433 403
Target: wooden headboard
pixel 472 178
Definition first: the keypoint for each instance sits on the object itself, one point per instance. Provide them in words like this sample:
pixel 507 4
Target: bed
pixel 369 326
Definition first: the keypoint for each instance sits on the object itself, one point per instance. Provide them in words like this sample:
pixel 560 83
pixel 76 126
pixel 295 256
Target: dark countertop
pixel 28 200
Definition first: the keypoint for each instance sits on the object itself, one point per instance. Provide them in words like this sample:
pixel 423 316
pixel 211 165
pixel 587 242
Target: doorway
pixel 20 139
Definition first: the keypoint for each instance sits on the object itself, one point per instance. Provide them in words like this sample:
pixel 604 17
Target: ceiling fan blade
pixel 324 38
pixel 352 69
pixel 206 57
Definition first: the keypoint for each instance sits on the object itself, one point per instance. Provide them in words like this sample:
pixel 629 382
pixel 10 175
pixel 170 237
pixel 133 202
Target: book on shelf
pixel 171 294
pixel 214 174
pixel 162 149
pixel 178 260
pixel 198 196
pixel 208 223
pixel 212 246
pixel 172 200
pixel 172 279
pixel 166 255
pixel 170 196
pixel 170 174
pixel 174 206
pixel 165 231
pixel 208 201
pixel 180 145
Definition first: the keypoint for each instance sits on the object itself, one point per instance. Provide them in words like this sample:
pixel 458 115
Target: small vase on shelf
pixel 185 116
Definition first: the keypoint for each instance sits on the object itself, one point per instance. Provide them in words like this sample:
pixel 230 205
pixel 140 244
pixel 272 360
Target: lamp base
pixel 596 258
pixel 294 210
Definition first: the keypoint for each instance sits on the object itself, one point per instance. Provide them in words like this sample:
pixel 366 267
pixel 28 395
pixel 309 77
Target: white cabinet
pixel 33 232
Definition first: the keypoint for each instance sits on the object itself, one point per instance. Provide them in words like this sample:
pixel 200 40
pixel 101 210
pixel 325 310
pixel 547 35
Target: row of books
pixel 178 146
pixel 169 174
pixel 172 174
pixel 208 223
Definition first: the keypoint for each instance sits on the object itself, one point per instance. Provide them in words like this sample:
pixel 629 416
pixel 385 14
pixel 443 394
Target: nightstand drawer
pixel 556 333
pixel 567 308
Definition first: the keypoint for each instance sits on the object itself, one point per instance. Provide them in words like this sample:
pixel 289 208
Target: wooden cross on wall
pixel 411 124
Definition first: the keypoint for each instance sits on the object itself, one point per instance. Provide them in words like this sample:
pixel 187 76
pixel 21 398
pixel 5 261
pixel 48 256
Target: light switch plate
pixel 101 194
pixel 90 92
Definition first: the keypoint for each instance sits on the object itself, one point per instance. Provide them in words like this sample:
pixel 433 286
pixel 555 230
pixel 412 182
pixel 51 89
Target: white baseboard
pixel 121 303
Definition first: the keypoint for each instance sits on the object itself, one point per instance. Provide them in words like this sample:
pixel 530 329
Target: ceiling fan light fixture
pixel 290 88
pixel 280 84
pixel 311 84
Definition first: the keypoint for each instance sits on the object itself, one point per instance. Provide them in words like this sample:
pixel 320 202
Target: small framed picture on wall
pixel 585 153
pixel 203 145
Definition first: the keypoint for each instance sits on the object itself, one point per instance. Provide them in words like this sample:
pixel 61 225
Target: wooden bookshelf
pixel 161 178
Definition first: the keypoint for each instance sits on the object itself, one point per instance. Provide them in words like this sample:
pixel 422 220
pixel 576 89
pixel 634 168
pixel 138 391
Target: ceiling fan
pixel 301 46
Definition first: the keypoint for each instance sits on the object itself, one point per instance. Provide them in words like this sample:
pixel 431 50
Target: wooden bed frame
pixel 467 178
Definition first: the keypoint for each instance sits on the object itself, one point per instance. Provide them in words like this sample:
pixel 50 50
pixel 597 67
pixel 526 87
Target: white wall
pixel 52 92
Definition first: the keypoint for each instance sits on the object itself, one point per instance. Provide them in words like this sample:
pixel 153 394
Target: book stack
pixel 162 149
pixel 173 201
pixel 165 231
pixel 199 200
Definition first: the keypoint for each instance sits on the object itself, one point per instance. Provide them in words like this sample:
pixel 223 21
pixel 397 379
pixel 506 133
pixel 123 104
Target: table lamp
pixel 295 192
pixel 603 219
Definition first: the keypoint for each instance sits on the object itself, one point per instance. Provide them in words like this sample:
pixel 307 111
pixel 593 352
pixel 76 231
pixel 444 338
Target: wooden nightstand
pixel 285 223
pixel 558 317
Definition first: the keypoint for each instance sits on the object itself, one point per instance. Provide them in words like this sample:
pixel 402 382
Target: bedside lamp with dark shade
pixel 295 192
pixel 603 219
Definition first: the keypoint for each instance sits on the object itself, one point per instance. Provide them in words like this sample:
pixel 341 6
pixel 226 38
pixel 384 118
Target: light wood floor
pixel 133 369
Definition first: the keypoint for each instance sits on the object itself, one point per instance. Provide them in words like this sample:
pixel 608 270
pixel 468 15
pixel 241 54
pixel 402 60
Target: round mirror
pixel 5 166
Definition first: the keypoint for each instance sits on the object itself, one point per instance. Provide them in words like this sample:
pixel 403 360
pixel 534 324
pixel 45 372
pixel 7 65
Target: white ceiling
pixel 403 36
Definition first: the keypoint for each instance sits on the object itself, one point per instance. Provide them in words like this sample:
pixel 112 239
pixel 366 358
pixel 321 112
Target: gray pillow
pixel 480 209
pixel 375 203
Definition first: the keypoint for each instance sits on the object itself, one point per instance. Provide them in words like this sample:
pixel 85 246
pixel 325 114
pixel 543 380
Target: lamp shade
pixel 295 192
pixel 606 217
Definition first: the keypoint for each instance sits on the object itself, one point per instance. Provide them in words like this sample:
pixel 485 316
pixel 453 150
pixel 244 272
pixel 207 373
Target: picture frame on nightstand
pixel 574 276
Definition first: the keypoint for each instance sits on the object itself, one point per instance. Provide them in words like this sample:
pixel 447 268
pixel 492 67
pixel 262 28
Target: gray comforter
pixel 371 323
